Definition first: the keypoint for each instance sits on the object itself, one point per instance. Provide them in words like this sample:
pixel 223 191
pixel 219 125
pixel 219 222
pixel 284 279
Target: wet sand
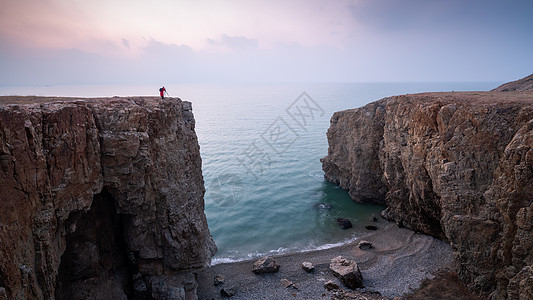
pixel 398 262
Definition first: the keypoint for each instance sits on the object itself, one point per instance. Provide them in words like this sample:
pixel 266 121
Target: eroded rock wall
pixel 56 157
pixel 458 166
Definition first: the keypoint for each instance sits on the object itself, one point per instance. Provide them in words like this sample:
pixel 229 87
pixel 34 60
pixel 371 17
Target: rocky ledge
pixel 455 165
pixel 100 198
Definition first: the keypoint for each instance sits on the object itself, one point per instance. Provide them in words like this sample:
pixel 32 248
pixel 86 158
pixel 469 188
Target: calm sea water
pixel 261 147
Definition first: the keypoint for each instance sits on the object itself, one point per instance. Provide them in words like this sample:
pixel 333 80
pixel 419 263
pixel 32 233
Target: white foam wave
pixel 280 250
pixel 333 245
pixel 225 260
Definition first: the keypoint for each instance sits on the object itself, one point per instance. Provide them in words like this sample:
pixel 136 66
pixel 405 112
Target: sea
pixel 261 146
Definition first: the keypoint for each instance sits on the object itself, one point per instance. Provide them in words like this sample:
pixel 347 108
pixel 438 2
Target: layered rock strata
pixel 458 166
pixel 100 197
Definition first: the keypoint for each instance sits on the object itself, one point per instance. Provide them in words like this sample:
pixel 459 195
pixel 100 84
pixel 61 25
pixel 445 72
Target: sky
pixel 56 42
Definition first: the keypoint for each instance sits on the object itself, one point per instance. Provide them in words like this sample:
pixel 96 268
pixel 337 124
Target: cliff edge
pixel 455 165
pixel 521 85
pixel 101 198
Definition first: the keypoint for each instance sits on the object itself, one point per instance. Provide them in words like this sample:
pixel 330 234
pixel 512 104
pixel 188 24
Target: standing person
pixel 162 92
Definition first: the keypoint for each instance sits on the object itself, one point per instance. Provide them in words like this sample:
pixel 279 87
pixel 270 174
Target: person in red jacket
pixel 162 92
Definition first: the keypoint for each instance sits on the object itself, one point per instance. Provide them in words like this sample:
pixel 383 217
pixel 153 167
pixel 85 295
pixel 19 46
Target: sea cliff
pixel 455 165
pixel 100 197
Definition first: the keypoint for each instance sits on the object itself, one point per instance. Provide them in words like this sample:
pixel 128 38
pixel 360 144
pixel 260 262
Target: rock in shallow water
pixel 323 206
pixel 373 218
pixel 371 227
pixel 344 223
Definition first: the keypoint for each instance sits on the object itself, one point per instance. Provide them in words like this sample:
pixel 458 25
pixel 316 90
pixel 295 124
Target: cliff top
pixel 38 99
pixel 478 97
pixel 470 98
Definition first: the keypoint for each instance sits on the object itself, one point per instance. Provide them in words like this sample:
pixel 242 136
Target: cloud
pixel 234 42
pixel 311 40
pixel 126 43
pixel 158 49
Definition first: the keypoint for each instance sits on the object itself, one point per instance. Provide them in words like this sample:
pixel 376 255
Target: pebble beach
pixel 397 263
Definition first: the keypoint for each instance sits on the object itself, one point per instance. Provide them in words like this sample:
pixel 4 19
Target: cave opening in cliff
pixel 95 262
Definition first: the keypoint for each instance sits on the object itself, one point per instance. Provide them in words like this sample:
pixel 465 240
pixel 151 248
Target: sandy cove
pixel 398 262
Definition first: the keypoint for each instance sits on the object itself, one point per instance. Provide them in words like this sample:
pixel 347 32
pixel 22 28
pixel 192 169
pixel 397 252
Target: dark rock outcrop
pixel 100 197
pixel 458 166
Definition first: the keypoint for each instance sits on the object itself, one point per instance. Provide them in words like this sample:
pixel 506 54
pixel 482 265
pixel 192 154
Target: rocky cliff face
pixel 458 166
pixel 101 197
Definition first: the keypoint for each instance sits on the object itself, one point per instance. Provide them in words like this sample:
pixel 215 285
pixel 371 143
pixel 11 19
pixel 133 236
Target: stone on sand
pixel 307 266
pixel 229 291
pixel 347 271
pixel 218 280
pixel 286 283
pixel 331 285
pixel 365 245
pixel 265 265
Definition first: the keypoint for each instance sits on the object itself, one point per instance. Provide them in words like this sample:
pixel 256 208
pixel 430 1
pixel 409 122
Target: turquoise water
pixel 260 148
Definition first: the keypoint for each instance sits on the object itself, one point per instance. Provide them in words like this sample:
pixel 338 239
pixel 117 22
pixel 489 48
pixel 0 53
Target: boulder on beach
pixel 347 271
pixel 265 265
pixel 365 245
pixel 228 291
pixel 344 223
pixel 286 283
pixel 307 266
pixel 218 280
pixel 331 285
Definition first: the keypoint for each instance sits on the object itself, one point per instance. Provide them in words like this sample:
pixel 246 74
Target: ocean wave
pixel 317 175
pixel 332 245
pixel 225 260
pixel 280 250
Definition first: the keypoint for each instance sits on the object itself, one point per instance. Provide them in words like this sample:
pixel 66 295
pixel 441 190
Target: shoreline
pixel 276 253
pixel 396 265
